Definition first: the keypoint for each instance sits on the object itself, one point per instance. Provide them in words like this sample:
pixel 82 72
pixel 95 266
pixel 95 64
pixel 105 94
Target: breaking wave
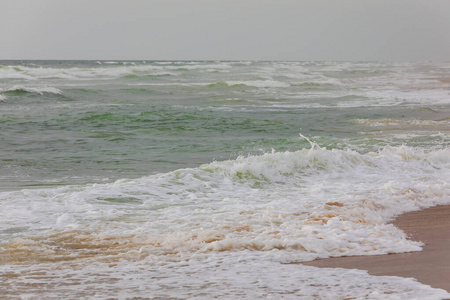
pixel 32 90
pixel 311 203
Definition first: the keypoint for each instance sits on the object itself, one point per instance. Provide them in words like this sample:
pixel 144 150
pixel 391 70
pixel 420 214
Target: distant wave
pixel 259 83
pixel 251 83
pixel 319 82
pixel 219 84
pixel 105 70
pixel 18 89
pixel 32 90
pixel 10 72
pixel 435 96
pixel 395 122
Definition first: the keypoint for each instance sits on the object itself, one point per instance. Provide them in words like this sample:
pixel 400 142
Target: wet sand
pixel 430 266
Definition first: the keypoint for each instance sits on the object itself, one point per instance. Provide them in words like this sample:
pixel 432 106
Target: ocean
pixel 212 179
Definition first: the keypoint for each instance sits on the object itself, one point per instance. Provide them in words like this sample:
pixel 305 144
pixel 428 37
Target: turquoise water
pixel 120 178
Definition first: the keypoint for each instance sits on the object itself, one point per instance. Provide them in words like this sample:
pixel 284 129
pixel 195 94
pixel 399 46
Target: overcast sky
pixel 392 30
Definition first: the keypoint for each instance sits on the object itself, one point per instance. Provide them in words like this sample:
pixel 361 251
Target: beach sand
pixel 430 266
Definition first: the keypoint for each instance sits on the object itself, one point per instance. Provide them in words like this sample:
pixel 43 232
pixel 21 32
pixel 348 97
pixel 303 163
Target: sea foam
pixel 311 203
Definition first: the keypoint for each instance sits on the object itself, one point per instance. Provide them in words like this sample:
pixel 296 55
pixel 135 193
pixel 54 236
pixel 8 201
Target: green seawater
pixel 77 122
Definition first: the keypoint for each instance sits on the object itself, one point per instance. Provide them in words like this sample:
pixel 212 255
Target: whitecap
pixel 36 90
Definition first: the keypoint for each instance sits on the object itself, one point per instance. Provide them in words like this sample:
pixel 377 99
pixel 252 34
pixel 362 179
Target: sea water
pixel 203 179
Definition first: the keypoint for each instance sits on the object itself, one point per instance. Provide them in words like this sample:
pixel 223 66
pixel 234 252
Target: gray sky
pixel 398 30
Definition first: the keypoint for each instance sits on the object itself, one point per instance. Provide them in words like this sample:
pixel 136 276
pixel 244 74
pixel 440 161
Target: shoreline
pixel 430 266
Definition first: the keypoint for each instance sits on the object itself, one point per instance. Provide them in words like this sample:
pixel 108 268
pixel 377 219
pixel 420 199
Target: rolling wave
pixel 19 90
pixel 314 202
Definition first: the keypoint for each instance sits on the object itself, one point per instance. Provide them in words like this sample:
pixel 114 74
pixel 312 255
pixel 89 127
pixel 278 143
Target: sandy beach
pixel 430 266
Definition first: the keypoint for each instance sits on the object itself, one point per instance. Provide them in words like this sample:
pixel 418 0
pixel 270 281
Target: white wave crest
pixel 100 72
pixel 37 90
pixel 12 72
